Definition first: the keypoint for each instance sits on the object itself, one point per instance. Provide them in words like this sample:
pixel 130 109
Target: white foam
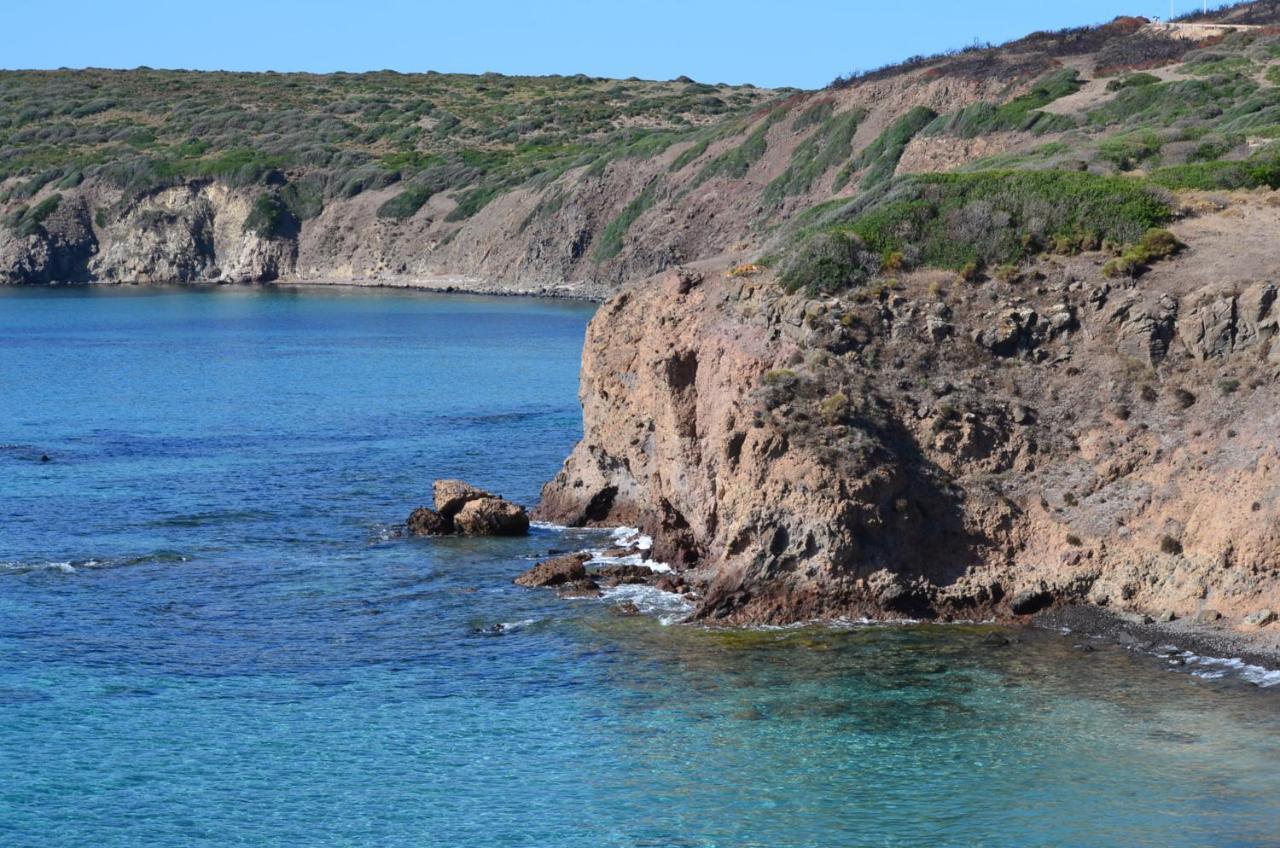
pixel 24 567
pixel 546 525
pixel 670 608
pixel 1216 668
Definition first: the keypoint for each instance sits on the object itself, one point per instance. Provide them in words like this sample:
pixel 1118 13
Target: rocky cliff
pixel 950 448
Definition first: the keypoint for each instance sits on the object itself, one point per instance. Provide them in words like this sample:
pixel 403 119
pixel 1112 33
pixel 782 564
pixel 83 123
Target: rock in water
pixel 556 572
pixel 428 522
pixel 462 508
pixel 491 517
pixel 452 495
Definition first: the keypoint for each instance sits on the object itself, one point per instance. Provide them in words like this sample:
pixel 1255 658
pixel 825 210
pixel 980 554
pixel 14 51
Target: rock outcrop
pixel 1083 442
pixel 555 572
pixel 468 511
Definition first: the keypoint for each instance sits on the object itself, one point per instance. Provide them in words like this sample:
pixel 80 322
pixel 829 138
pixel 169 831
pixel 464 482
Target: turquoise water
pixel 210 635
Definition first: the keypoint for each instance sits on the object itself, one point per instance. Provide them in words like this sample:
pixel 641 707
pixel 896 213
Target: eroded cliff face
pixel 541 238
pixel 945 448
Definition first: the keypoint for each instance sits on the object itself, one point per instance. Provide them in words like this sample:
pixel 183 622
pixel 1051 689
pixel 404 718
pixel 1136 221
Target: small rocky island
pixel 464 510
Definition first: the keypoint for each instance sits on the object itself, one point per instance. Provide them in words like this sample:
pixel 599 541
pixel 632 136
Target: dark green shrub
pixel 881 157
pixel 472 202
pixel 1155 245
pixel 1170 545
pixel 27 221
pixel 1132 81
pixel 828 262
pixel 1220 176
pixel 1019 114
pixel 995 217
pixel 828 146
pixel 1129 151
pixel 609 244
pixel 405 204
pixel 270 218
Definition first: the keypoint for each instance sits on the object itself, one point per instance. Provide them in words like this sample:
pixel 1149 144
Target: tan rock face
pixel 452 495
pixel 491 517
pixel 800 459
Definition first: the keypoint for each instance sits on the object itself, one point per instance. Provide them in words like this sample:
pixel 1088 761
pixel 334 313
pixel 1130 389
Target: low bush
pixel 609 244
pixel 828 146
pixel 881 157
pixel 1132 81
pixel 1220 175
pixel 1129 151
pixel 1155 245
pixel 405 204
pixel 270 218
pixel 27 221
pixel 1019 114
pixel 828 262
pixel 993 218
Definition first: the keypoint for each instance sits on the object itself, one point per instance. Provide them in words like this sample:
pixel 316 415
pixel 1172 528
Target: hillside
pixel 1025 357
pixel 577 185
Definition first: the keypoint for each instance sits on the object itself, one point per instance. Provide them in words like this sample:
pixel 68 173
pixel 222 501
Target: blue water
pixel 210 634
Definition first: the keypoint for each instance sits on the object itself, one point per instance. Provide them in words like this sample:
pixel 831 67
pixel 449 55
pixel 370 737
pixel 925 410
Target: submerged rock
pixel 556 572
pixel 587 588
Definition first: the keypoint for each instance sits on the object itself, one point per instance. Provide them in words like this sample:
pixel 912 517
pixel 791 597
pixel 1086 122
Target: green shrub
pixel 609 244
pixel 995 217
pixel 816 114
pixel 829 145
pixel 827 262
pixel 690 154
pixel 405 204
pixel 472 202
pixel 1228 385
pixel 1019 114
pixel 1220 176
pixel 1209 64
pixel 1170 545
pixel 734 164
pixel 1155 245
pixel 270 218
pixel 881 157
pixel 1132 81
pixel 781 377
pixel 1074 541
pixel 835 409
pixel 27 221
pixel 1129 151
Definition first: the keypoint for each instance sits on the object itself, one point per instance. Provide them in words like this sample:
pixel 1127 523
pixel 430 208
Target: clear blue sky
pixel 802 43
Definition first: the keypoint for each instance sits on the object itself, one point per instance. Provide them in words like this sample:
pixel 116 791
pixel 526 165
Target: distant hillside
pixel 577 184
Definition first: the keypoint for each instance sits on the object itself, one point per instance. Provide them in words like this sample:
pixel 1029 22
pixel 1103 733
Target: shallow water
pixel 209 634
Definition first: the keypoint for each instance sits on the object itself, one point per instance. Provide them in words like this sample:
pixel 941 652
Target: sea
pixel 214 633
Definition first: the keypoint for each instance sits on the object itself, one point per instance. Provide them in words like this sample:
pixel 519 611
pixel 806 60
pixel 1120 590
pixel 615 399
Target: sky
pixel 801 43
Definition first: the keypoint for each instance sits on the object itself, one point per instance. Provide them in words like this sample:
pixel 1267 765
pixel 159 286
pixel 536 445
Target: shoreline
pixel 441 285
pixel 1259 648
